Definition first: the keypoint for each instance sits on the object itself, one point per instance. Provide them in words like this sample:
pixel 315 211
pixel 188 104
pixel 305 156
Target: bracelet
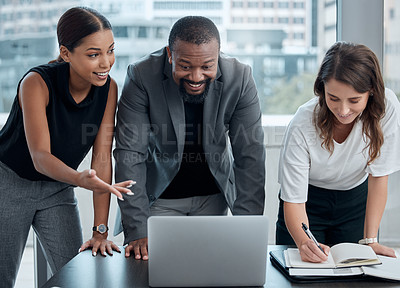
pixel 368 241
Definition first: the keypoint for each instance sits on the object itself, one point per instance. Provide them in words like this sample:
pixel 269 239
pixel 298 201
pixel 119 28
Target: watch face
pixel 102 228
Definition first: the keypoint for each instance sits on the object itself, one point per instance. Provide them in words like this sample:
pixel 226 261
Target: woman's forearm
pixel 376 202
pixel 295 214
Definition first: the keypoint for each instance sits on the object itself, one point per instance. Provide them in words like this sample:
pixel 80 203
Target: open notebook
pixel 389 270
pixel 341 255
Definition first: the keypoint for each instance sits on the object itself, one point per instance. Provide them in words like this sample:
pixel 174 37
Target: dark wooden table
pixel 86 271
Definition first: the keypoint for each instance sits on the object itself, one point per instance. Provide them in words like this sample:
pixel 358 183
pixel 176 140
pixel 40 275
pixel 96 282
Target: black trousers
pixel 334 216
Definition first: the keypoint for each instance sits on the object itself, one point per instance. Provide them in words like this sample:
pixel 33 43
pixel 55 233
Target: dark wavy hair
pixel 193 29
pixel 357 66
pixel 77 23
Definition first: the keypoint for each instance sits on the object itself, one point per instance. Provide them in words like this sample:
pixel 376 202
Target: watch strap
pixel 96 228
pixel 367 241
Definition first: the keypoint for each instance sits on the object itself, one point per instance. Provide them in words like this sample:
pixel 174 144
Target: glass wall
pixel 389 231
pixel 283 41
pixel 391 61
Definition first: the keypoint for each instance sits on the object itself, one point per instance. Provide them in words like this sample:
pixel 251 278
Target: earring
pixel 371 94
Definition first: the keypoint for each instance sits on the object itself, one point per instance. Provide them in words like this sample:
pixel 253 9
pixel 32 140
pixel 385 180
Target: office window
pixel 44 29
pixel 268 4
pixel 8 31
pixel 268 19
pixel 252 4
pixel 298 5
pixel 298 20
pixel 142 32
pixel 298 35
pixel 187 5
pixel 237 4
pixel 267 34
pixel 328 3
pixel 237 19
pixel 274 66
pixel 392 14
pixel 300 65
pixel 283 5
pixel 120 31
pixel 121 62
pixel 283 20
pixel 390 65
pixel 161 33
pixel 252 19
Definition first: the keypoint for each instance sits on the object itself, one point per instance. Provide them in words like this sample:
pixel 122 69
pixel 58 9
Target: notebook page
pixel 293 259
pixel 389 269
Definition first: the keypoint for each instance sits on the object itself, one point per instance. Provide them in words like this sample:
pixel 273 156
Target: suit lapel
pixel 211 107
pixel 175 106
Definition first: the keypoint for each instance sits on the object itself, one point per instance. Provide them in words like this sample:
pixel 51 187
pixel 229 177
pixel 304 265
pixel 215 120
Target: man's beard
pixel 194 99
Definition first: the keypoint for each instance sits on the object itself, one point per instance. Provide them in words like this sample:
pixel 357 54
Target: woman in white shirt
pixel 338 151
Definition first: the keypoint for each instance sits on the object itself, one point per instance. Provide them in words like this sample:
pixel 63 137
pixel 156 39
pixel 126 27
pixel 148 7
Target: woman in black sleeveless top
pixel 61 111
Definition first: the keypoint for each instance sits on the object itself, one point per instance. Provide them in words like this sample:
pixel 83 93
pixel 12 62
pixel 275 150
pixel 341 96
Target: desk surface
pixel 87 271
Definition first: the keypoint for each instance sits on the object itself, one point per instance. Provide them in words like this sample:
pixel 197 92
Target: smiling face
pixel 91 61
pixel 344 101
pixel 193 66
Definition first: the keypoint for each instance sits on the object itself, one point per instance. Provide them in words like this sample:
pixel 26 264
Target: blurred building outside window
pixel 283 41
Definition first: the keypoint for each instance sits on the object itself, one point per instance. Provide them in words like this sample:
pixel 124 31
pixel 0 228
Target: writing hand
pixel 310 252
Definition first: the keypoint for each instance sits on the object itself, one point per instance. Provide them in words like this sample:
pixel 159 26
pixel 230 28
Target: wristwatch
pixel 101 228
pixel 367 241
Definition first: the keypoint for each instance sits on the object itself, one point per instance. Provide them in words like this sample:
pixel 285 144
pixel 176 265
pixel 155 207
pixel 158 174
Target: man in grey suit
pixel 189 133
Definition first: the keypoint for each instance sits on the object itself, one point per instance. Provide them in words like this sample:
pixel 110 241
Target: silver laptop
pixel 207 251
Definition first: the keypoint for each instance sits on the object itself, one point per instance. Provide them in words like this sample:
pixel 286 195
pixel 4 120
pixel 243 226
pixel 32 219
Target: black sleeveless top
pixel 73 127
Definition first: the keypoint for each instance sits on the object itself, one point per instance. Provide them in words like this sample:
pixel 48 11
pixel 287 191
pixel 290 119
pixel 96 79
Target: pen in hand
pixel 311 236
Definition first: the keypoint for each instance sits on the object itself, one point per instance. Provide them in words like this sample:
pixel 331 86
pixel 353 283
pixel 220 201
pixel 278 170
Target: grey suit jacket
pixel 150 135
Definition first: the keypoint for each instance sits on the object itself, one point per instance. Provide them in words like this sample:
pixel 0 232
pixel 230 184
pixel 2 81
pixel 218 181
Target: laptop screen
pixel 190 251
